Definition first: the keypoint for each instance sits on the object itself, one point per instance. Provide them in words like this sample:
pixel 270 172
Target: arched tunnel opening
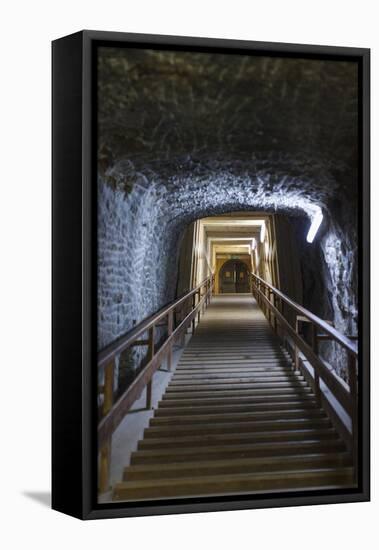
pixel 149 260
pixel 208 161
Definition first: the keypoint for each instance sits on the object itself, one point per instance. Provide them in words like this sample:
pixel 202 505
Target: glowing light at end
pixel 263 232
pixel 253 243
pixel 316 222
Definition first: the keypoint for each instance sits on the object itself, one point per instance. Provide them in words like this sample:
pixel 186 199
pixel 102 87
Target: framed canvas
pixel 210 275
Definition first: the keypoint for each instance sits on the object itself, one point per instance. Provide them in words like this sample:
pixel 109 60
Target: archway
pixel 234 277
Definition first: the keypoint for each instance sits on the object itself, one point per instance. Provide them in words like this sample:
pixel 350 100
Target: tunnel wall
pixel 322 276
pixel 136 259
pixel 139 237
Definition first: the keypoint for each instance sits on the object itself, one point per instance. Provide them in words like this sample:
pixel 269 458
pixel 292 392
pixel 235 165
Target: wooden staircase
pixel 235 418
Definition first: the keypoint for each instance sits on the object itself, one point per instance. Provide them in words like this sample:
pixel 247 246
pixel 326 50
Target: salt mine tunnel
pixel 206 159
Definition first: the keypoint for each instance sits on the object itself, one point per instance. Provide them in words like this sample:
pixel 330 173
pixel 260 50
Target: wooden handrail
pixel 348 398
pixel 345 342
pixel 113 413
pixel 123 342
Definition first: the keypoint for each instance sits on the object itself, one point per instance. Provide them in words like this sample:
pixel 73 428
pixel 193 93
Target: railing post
pixel 104 468
pixel 149 387
pixel 194 317
pixel 296 349
pixel 184 330
pixel 183 338
pixel 169 332
pixel 108 387
pixel 271 315
pixel 269 294
pixel 275 318
pixel 199 310
pixel 106 450
pixel 282 330
pixel 352 374
pixel 315 350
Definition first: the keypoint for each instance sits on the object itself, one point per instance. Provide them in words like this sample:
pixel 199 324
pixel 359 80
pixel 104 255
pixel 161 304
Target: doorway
pixel 234 278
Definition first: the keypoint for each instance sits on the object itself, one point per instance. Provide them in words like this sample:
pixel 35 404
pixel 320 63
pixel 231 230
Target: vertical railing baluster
pixel 106 450
pixel 193 308
pixel 108 387
pixel 150 353
pixel 275 318
pixel 271 315
pixel 352 376
pixel 316 375
pixel 282 330
pixel 296 349
pixel 104 467
pixel 169 332
pixel 184 330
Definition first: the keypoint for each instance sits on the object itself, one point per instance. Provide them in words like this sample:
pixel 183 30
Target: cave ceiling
pixel 169 113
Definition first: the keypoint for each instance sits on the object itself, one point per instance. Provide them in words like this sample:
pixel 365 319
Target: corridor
pixel 235 418
pixel 227 275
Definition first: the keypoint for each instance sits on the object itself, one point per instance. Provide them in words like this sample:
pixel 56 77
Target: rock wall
pixel 139 235
pixel 184 135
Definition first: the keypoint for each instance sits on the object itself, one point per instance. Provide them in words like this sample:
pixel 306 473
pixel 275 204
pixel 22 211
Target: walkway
pixel 235 418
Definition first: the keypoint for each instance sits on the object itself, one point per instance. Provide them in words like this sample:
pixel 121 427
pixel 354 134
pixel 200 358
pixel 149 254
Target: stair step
pixel 229 339
pixel 234 400
pixel 235 418
pixel 242 416
pixel 201 362
pixel 183 379
pixel 231 392
pixel 239 352
pixel 236 427
pixel 234 483
pixel 245 344
pixel 222 408
pixel 207 386
pixel 240 465
pixel 232 452
pixel 237 438
pixel 245 371
pixel 215 357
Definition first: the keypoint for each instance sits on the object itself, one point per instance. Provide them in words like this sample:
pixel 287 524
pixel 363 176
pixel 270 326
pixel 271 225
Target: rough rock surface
pixel 186 135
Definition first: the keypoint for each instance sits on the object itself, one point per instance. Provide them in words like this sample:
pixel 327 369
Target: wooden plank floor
pixel 235 418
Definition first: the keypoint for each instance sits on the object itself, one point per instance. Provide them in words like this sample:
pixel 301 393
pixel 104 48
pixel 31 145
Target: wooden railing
pixel 176 318
pixel 273 303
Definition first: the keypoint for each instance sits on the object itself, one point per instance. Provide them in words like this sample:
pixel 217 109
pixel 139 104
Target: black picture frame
pixel 74 277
